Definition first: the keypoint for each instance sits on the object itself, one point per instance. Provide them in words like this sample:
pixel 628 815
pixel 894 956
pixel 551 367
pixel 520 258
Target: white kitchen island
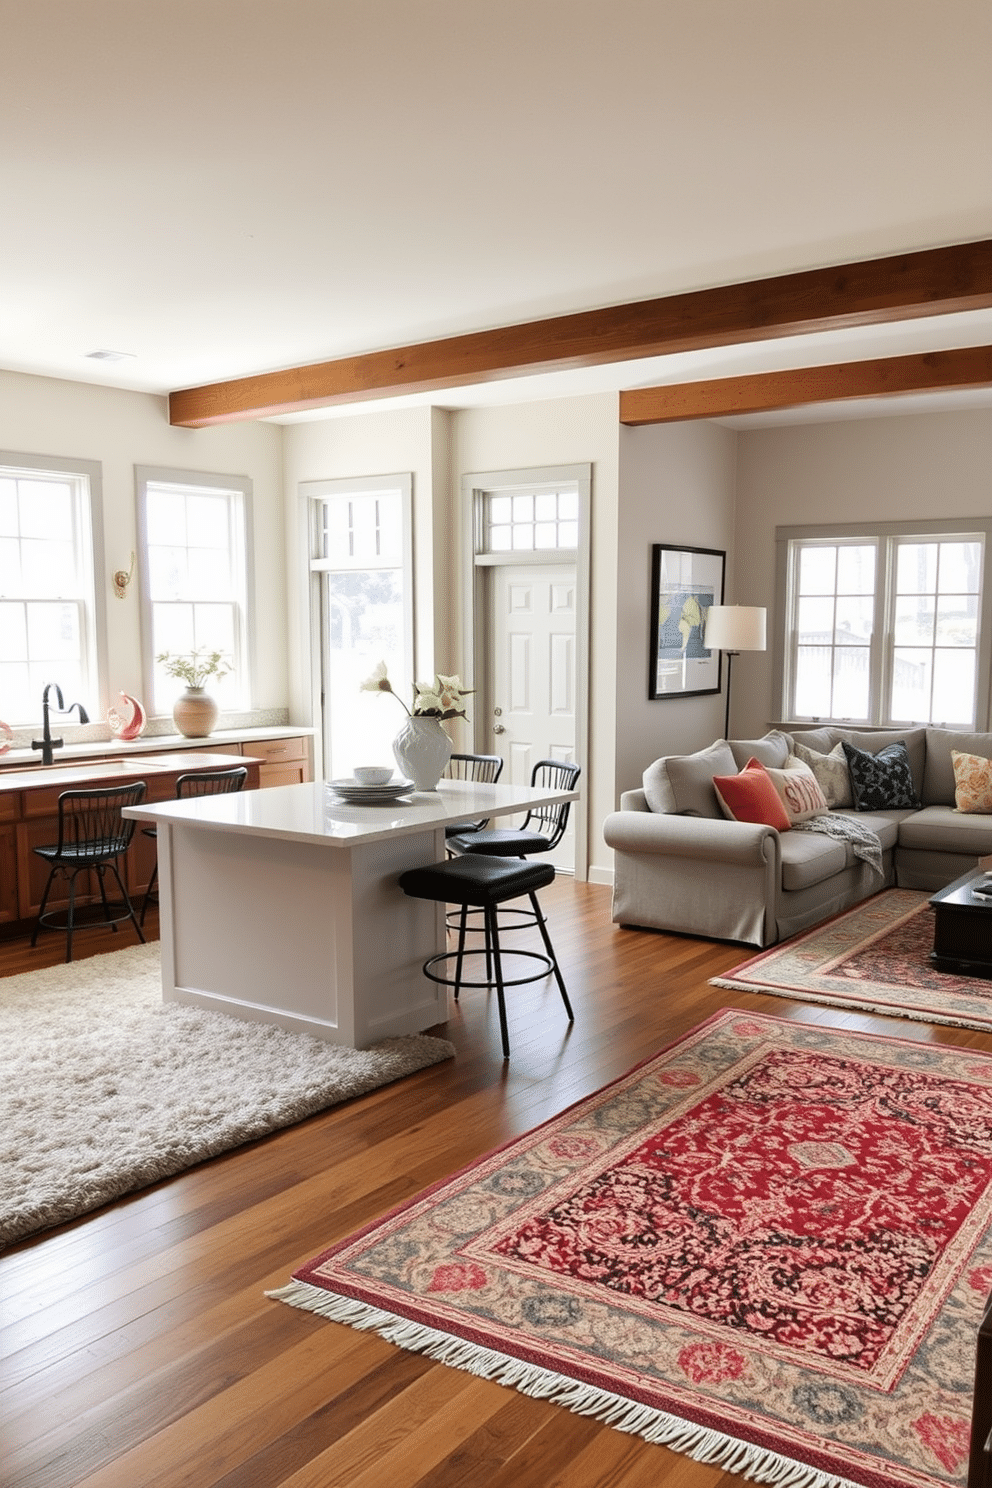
pixel 282 906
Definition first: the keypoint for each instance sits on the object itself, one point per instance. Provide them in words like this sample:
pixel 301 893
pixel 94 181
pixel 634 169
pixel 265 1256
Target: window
pixel 193 535
pixel 885 627
pixel 531 520
pixel 48 599
pixel 361 567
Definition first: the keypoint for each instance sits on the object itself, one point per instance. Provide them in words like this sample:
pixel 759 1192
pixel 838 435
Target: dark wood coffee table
pixel 962 929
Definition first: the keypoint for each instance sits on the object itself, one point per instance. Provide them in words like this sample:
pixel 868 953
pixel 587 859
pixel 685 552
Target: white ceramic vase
pixel 194 713
pixel 422 750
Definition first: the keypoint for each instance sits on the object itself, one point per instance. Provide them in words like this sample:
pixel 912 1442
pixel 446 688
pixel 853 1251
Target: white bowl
pixel 373 774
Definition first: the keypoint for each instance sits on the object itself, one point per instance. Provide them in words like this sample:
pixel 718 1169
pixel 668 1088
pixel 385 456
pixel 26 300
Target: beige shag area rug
pixel 106 1089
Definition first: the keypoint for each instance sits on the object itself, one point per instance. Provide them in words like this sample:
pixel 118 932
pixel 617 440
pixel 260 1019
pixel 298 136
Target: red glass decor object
pixel 127 720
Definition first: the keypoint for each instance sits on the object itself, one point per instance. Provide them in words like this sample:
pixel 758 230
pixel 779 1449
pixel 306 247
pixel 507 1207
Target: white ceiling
pixel 224 187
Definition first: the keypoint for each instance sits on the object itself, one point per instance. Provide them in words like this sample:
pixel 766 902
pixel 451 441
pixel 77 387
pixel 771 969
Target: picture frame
pixel 684 583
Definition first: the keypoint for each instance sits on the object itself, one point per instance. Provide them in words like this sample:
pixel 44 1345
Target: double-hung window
pixel 195 578
pixel 887 625
pixel 49 626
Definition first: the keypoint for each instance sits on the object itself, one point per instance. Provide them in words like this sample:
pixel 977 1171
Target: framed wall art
pixel 685 582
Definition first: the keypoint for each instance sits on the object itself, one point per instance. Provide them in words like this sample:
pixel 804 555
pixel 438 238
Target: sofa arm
pixel 634 800
pixel 695 875
pixel 706 839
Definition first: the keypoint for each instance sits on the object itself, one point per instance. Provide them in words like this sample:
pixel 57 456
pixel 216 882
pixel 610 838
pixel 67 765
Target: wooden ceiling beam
pixel 935 281
pixel 762 392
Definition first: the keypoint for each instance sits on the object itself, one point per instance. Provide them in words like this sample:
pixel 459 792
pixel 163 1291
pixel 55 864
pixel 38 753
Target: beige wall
pixel 914 465
pixel 677 486
pixel 46 416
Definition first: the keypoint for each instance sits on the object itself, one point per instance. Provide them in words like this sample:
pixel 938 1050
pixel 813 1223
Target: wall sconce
pixel 122 579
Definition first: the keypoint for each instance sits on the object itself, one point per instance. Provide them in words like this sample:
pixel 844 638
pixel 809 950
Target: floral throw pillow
pixel 882 781
pixel 832 774
pixel 972 782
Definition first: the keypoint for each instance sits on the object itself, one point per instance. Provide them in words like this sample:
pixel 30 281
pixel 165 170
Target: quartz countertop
pixel 117 749
pixel 68 776
pixel 313 813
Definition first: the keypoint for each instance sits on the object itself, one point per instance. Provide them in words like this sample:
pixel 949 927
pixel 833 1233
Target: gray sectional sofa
pixel 681 865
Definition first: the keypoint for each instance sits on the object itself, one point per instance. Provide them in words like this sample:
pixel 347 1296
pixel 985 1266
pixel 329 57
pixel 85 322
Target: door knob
pixel 498 728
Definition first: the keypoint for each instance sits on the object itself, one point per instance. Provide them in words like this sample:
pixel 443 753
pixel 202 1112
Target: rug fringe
pixel 698 1442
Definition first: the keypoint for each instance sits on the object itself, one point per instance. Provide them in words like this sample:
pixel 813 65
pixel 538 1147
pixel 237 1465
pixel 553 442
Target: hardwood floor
pixel 138 1348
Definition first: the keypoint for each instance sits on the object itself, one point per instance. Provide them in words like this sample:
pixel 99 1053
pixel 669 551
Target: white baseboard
pixel 601 876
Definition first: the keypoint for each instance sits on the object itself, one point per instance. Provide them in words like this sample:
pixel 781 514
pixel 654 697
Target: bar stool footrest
pixel 547 968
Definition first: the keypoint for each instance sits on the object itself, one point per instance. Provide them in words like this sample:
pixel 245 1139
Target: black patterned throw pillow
pixel 883 781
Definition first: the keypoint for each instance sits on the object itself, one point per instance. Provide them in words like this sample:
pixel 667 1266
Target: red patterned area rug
pixel 875 957
pixel 768 1247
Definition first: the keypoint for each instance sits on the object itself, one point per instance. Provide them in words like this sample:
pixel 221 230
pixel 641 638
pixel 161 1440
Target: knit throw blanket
pixel 864 842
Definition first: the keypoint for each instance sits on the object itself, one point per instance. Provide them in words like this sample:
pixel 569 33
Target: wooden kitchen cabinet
pixel 29 819
pixel 283 761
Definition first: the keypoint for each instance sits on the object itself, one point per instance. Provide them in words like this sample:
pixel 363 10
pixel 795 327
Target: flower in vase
pixel 443 698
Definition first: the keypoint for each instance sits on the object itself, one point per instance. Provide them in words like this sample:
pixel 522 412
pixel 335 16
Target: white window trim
pixel 941 528
pixel 91 471
pixel 145 475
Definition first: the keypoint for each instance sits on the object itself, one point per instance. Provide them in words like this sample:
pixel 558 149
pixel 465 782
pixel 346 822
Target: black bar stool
pixel 541 831
pixel 93 835
pixel 478 882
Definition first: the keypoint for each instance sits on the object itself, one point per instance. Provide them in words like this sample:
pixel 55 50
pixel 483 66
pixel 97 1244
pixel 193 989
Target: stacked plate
pixel 370 795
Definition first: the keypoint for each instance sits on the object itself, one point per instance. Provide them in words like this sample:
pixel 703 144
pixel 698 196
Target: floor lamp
pixel 734 628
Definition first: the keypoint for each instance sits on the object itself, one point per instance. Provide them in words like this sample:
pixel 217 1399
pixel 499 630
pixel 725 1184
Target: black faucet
pixel 46 743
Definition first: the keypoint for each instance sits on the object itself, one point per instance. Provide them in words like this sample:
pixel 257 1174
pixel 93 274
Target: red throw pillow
pixel 751 796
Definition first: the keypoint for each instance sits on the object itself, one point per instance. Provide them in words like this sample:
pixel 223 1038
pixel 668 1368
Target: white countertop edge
pixel 313 814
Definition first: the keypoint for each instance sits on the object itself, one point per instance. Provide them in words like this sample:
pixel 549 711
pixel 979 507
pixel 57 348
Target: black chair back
pixel 551 821
pixel 484 767
pixel 211 782
pixel 91 824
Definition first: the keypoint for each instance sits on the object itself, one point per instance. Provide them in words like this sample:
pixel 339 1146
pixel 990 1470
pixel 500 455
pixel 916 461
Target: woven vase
pixel 422 750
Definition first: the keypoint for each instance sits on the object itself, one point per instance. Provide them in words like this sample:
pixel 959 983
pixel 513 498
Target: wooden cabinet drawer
pixel 292 772
pixel 10 805
pixel 276 751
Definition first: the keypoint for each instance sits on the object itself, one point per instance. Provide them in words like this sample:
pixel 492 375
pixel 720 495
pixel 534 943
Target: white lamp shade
pixel 735 628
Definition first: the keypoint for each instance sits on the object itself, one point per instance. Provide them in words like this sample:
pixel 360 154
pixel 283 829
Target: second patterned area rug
pixel 767 1247
pixel 875 957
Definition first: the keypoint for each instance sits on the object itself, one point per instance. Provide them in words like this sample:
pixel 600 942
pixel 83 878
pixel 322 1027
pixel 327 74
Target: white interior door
pixel 532 633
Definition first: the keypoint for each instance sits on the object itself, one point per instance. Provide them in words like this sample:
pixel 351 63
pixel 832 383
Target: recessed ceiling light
pixel 110 356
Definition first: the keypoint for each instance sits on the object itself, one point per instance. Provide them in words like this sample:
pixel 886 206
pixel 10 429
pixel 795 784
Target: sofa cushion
pixel 882 780
pixel 944 829
pixel 657 787
pixel 831 771
pixel 972 782
pixel 772 750
pixel 750 796
pixel 885 824
pixel 798 790
pixel 690 777
pixel 809 859
pixel 938 780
